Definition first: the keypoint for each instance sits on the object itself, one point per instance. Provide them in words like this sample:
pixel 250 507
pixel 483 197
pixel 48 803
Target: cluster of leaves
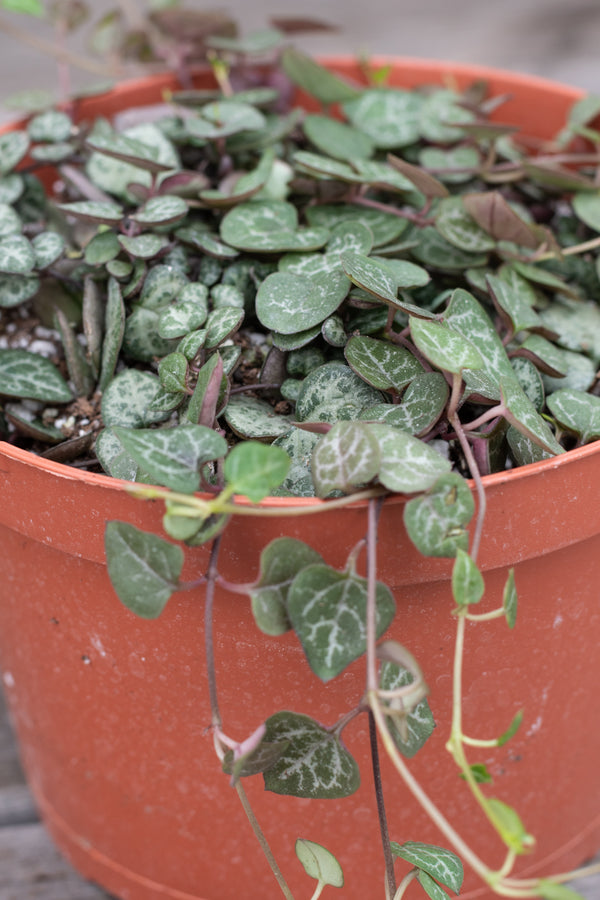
pixel 225 247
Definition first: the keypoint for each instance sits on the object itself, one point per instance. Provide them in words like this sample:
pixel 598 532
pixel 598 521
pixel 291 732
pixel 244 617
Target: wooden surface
pixel 30 866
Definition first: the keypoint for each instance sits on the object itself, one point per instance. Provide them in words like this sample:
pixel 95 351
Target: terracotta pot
pixel 112 712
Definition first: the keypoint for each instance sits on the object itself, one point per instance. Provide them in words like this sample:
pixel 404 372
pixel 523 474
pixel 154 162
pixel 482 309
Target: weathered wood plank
pixel 31 869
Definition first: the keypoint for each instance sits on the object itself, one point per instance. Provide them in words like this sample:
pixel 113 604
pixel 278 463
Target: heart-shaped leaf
pixel 161 211
pixel 467 580
pixel 441 864
pixel 333 392
pixel 327 610
pixel 254 469
pixel 126 400
pixel 345 458
pixel 423 403
pixel 315 764
pixel 444 347
pixel 13 147
pixel 269 226
pixel 419 722
pixel 27 375
pixel 315 79
pixel 291 303
pixel 16 255
pixel 391 118
pixel 383 365
pixel 173 457
pixel 102 212
pixel 437 521
pixel 406 464
pixel 577 412
pixel 319 863
pixel 280 562
pixel 143 568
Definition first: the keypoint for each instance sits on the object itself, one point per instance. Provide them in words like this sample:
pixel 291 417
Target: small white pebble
pixel 44 348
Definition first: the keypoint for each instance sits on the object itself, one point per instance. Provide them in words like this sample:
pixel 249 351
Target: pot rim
pixel 496 480
pixel 421 66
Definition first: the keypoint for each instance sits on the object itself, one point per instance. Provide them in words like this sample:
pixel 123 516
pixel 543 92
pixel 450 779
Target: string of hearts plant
pixel 247 300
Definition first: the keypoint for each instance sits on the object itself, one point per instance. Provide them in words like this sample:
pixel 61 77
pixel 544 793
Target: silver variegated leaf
pixel 315 764
pixel 327 610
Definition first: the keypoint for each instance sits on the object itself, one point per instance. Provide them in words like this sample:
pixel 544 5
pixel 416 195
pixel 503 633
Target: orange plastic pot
pixel 112 712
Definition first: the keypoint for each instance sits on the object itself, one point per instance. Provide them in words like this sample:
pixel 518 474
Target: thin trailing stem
pixel 390 875
pixel 264 844
pixel 211 579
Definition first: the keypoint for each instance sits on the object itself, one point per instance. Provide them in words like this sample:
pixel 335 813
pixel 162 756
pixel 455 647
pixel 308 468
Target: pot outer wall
pixel 112 712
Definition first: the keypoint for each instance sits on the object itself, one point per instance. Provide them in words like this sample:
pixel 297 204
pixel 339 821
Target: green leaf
pixel 143 246
pixel 48 247
pixel 280 562
pixel 383 279
pixel 102 212
pixel 459 228
pixel 163 210
pixel 418 723
pixel 333 392
pixel 552 890
pixel 441 864
pixel 521 413
pixel 514 297
pixel 114 329
pixel 27 375
pixel 249 417
pixel 51 125
pixel 224 118
pixel 337 139
pixel 577 412
pixel 467 580
pixel 269 226
pixel 289 303
pixel 299 446
pixel 315 79
pixel 253 469
pixel 511 730
pixel 509 599
pixel 173 457
pixel 345 458
pixel 126 400
pixel 437 521
pixel 431 887
pixel 315 764
pixel 467 316
pixel 509 826
pixel 16 289
pixel 381 364
pixel 406 464
pixel 13 147
pixel 16 255
pixel 390 117
pixel 436 252
pixel 586 206
pixel 423 402
pixel 327 610
pixel 319 863
pixel 444 347
pixel 385 227
pixel 143 568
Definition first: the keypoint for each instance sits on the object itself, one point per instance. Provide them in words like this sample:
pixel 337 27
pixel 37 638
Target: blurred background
pixel 557 39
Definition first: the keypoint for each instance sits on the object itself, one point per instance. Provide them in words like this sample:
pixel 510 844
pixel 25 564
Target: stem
pixel 211 579
pixel 371 624
pixel 62 55
pixel 264 845
pixel 390 875
pixel 485 617
pixel 410 876
pixel 318 890
pixel 476 476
